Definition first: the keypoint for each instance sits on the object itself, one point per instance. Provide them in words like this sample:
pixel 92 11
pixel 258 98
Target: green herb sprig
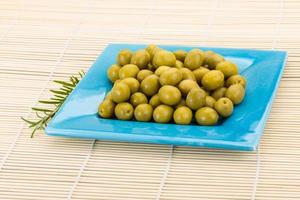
pixel 44 115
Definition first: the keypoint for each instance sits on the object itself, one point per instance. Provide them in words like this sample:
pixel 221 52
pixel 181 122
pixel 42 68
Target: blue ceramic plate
pixel 242 131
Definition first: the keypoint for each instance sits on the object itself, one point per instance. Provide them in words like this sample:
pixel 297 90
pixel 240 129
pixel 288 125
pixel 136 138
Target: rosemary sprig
pixel 44 115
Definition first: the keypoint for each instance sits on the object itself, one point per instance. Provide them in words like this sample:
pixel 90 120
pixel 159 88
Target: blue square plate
pixel 242 131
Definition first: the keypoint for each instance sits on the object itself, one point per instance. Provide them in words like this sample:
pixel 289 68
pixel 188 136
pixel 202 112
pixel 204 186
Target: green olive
pixel 108 96
pixel 171 76
pixel 106 108
pixel 213 80
pixel 219 93
pixel 143 112
pixel 182 102
pixel 164 58
pixel 169 95
pixel 210 101
pixel 150 85
pixel 140 58
pixel 113 72
pixel 161 69
pixel 178 64
pixel 196 98
pixel 180 54
pixel 163 113
pixel 120 92
pixel 183 115
pixel 199 73
pixel 143 74
pixel 224 107
pixel 152 49
pixel 212 59
pixel 129 70
pixel 124 57
pixel 154 101
pixel 186 85
pixel 124 111
pixel 194 59
pixel 235 93
pixel 187 74
pixel 206 116
pixel 235 79
pixel 228 68
pixel 138 98
pixel 133 84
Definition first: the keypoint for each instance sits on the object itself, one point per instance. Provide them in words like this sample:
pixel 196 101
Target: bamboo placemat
pixel 45 40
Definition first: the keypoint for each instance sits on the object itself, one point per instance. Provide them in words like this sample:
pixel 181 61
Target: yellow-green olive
pixel 171 76
pixel 210 101
pixel 113 72
pixel 140 58
pixel 143 112
pixel 183 115
pixel 178 64
pixel 235 93
pixel 213 80
pixel 129 70
pixel 228 68
pixel 235 79
pixel 138 98
pixel 154 101
pixel 196 98
pixel 169 95
pixel 186 85
pixel 152 49
pixel 120 92
pixel 164 58
pixel 187 74
pixel 180 54
pixel 224 107
pixel 161 69
pixel 133 84
pixel 143 74
pixel 206 116
pixel 106 108
pixel 124 57
pixel 108 96
pixel 182 102
pixel 212 59
pixel 194 59
pixel 150 85
pixel 219 93
pixel 163 113
pixel 124 111
pixel 199 73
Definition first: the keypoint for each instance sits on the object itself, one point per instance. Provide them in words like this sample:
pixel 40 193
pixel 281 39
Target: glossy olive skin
pixel 227 68
pixel 113 72
pixel 180 54
pixel 133 84
pixel 143 74
pixel 120 92
pixel 213 80
pixel 235 79
pixel 219 93
pixel 196 98
pixel 138 98
pixel 194 59
pixel 152 49
pixel 224 107
pixel 129 70
pixel 182 102
pixel 183 115
pixel 108 96
pixel 206 116
pixel 140 58
pixel 210 101
pixel 161 70
pixel 124 57
pixel 106 108
pixel 186 85
pixel 199 73
pixel 143 112
pixel 171 76
pixel 169 95
pixel 178 64
pixel 163 113
pixel 235 93
pixel 154 101
pixel 164 58
pixel 150 85
pixel 212 59
pixel 187 74
pixel 124 111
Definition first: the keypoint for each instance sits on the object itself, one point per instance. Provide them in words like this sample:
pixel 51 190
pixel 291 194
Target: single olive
pixel 236 79
pixel 186 85
pixel 143 112
pixel 212 59
pixel 140 58
pixel 210 101
pixel 194 59
pixel 124 111
pixel 183 115
pixel 108 96
pixel 106 108
pixel 224 107
pixel 228 68
pixel 219 93
pixel 129 70
pixel 164 58
pixel 213 80
pixel 180 54
pixel 161 69
pixel 133 84
pixel 152 49
pixel 187 74
pixel 206 116
pixel 182 102
pixel 143 74
pixel 199 73
pixel 138 98
pixel 235 93
pixel 163 113
pixel 120 92
pixel 171 76
pixel 154 101
pixel 113 72
pixel 124 57
pixel 150 85
pixel 178 64
pixel 169 95
pixel 196 98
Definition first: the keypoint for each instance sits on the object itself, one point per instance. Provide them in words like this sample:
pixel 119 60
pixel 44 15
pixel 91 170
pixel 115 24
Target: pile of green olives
pixel 184 87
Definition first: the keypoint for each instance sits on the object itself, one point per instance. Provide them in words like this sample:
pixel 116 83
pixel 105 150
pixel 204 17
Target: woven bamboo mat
pixel 42 40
